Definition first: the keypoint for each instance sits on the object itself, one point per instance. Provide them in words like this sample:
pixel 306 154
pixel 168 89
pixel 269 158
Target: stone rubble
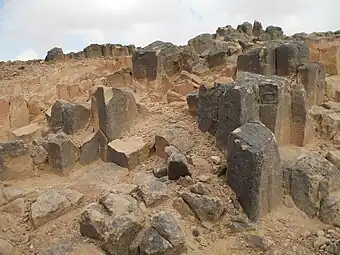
pixel 268 111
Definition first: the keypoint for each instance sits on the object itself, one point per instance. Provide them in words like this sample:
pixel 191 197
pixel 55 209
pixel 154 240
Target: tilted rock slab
pixel 254 170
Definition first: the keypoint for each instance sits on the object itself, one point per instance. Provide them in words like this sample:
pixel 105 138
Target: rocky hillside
pixel 226 145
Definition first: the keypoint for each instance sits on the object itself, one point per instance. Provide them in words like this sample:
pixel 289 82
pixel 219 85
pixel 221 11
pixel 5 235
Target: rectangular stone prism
pixel 254 170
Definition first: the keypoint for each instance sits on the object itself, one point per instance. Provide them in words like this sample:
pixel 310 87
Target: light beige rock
pixel 16 208
pixel 49 205
pixel 334 158
pixel 19 113
pixel 185 87
pixel 129 152
pixel 332 86
pixel 6 248
pixel 113 110
pixel 27 133
pixel 173 96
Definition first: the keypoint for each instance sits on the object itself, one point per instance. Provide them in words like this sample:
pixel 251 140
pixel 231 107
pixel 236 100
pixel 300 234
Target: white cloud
pixel 42 24
pixel 28 55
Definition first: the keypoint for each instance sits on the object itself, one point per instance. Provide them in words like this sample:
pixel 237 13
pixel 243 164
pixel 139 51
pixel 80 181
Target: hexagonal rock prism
pixel 312 76
pixel 69 117
pixel 301 123
pixel 128 153
pixel 62 153
pixel 254 170
pixel 113 110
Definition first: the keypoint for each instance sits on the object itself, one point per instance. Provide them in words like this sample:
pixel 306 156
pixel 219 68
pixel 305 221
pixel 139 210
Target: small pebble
pixel 216 160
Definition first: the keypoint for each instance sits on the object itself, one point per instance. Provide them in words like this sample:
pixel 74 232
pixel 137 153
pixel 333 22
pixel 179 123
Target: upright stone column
pixel 254 171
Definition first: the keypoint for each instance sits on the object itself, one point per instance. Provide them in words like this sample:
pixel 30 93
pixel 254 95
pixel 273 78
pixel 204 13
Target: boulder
pixel 257 28
pixel 204 207
pixel 55 54
pixel 246 28
pixel 62 153
pixel 16 208
pixel 93 221
pixel 163 140
pixel 274 32
pixel 120 78
pixel 48 206
pixel 129 152
pixel 289 56
pixel 177 164
pixel 168 227
pixel 121 233
pixel 88 145
pixel 153 193
pixel 113 110
pixel 329 209
pixel 15 161
pixel 260 60
pixel 154 59
pixel 254 170
pixel 69 117
pixel 93 51
pixel 38 153
pixel 27 133
pixel 313 178
pixel 160 171
pixel 150 242
pixel 119 204
pixel 201 43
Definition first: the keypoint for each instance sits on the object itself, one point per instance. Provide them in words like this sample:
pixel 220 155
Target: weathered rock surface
pixel 129 152
pixel 12 156
pixel 62 153
pixel 55 54
pixel 205 208
pixel 153 192
pixel 27 133
pixel 121 233
pixel 313 178
pixel 49 205
pixel 302 129
pixel 113 110
pixel 254 170
pixel 69 117
pixel 150 242
pixel 177 164
pixel 88 145
pixel 168 227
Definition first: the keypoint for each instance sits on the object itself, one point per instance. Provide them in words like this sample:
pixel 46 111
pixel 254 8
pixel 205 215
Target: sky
pixel 29 28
